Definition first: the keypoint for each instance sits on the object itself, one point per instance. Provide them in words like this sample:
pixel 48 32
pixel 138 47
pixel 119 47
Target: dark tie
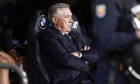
pixel 71 40
pixel 68 37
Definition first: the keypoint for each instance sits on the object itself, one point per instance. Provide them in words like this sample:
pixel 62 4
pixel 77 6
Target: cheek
pixel 61 23
pixel 65 23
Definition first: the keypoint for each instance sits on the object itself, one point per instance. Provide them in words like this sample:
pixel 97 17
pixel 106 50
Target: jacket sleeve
pixel 89 55
pixel 54 50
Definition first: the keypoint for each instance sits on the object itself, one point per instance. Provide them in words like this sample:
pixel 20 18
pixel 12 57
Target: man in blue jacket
pixel 116 35
pixel 64 49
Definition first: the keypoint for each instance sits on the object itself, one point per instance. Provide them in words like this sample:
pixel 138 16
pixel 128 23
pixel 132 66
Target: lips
pixel 70 26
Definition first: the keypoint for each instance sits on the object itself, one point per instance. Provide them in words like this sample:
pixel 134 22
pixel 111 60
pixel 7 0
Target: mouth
pixel 70 25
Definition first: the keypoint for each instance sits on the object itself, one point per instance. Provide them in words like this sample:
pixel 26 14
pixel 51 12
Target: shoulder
pixel 75 33
pixel 49 33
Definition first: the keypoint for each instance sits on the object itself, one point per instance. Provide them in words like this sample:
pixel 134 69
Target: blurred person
pixel 4 73
pixel 116 36
pixel 7 47
pixel 7 21
pixel 63 51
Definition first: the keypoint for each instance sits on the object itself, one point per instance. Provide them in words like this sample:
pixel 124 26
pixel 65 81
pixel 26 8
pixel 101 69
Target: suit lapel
pixel 75 40
pixel 69 44
pixel 63 41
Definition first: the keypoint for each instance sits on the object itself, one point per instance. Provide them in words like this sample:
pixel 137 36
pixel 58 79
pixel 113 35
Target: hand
pixel 19 61
pixel 85 48
pixel 13 53
pixel 138 34
pixel 8 57
pixel 76 54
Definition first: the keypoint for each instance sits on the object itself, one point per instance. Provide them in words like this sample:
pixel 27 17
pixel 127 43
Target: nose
pixel 71 20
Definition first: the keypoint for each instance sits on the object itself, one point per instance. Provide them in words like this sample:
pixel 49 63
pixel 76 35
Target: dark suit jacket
pixel 63 67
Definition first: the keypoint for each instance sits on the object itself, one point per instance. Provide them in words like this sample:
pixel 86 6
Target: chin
pixel 69 30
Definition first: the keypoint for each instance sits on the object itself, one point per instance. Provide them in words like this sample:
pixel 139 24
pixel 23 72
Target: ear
pixel 54 19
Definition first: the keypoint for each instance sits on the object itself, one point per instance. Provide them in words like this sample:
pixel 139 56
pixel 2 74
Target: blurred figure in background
pixel 7 21
pixel 4 73
pixel 8 53
pixel 116 35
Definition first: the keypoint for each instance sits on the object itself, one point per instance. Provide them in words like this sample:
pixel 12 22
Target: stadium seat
pixel 76 27
pixel 37 71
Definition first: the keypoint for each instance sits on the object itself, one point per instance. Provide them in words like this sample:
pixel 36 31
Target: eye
pixel 67 16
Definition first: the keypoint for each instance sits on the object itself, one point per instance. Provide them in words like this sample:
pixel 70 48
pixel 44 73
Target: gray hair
pixel 53 11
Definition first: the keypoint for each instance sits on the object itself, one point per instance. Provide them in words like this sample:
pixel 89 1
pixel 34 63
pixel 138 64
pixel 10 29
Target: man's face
pixel 64 22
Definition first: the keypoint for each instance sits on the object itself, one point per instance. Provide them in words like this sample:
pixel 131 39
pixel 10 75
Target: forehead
pixel 65 11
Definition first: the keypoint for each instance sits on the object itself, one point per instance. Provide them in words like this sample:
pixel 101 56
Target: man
pixel 64 53
pixel 116 35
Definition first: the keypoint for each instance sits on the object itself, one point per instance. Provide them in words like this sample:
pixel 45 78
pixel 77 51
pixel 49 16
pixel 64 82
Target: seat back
pixel 37 72
pixel 76 27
